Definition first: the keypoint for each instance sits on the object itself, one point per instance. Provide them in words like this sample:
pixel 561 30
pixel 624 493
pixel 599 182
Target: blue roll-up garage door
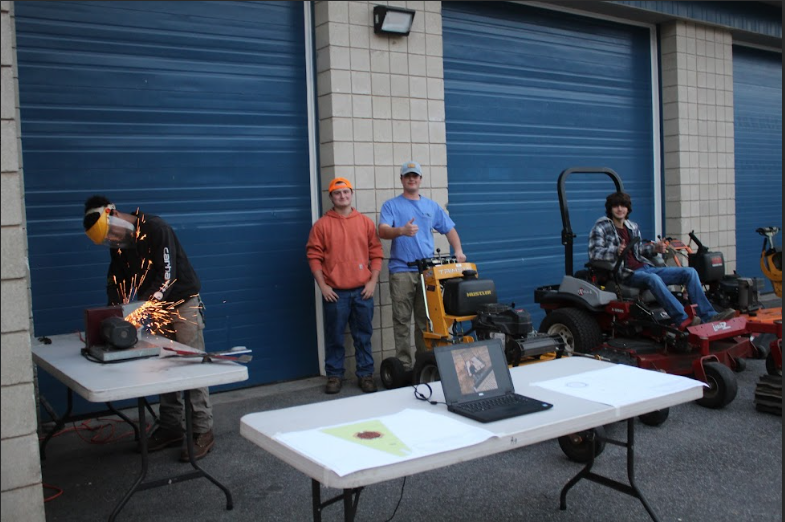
pixel 529 93
pixel 194 111
pixel 757 115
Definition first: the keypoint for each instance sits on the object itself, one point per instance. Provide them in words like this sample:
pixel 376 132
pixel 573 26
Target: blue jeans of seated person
pixel 350 308
pixel 656 279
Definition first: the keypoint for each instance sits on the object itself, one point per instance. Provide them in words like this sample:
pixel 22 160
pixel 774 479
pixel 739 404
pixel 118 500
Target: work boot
pixel 203 443
pixel 367 385
pixel 333 385
pixel 730 313
pixel 163 438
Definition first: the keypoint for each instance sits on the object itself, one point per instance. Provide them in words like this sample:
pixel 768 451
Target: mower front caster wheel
pixel 393 374
pixel 425 369
pixel 655 418
pixel 722 386
pixel 578 446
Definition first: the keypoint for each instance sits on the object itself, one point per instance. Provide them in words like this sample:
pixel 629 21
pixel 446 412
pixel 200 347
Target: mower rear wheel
pixel 425 369
pixel 771 366
pixel 722 386
pixel 578 328
pixel 655 418
pixel 393 374
pixel 578 446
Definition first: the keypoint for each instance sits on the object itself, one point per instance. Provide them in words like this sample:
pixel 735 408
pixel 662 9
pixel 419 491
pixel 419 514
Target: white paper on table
pixel 619 385
pixel 406 435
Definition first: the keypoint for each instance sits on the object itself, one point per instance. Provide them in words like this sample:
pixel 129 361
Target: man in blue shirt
pixel 408 220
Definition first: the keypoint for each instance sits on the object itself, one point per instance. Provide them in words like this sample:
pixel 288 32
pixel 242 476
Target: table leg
pixel 189 438
pixel 140 485
pixel 59 423
pixel 631 489
pixel 350 497
pixel 143 448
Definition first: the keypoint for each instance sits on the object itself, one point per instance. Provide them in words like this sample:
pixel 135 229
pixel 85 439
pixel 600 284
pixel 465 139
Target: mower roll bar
pixel 567 235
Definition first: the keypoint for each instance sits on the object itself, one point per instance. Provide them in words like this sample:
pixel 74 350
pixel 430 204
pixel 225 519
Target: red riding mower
pixel 459 304
pixel 595 313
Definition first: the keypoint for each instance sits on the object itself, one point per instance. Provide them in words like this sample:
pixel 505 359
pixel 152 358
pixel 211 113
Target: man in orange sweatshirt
pixel 345 256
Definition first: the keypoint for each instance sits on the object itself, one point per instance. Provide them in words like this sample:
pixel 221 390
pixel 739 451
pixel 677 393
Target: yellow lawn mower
pixel 463 308
pixel 771 258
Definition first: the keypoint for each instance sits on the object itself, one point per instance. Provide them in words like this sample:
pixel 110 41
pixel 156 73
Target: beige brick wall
pixel 697 96
pixel 381 103
pixel 22 495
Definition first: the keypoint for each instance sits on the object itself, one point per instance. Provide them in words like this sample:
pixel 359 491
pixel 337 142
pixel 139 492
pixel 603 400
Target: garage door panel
pixel 186 110
pixel 528 93
pixel 757 98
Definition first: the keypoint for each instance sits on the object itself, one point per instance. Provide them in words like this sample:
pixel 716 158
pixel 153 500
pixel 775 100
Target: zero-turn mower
pixel 596 313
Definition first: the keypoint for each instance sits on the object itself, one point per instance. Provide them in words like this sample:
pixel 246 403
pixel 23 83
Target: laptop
pixel 477 384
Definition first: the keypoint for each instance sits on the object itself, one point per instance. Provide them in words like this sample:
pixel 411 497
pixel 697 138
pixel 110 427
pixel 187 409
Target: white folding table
pixel 569 415
pixel 136 379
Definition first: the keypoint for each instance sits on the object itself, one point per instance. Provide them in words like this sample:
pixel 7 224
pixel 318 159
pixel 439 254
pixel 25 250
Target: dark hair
pixel 617 198
pixel 93 202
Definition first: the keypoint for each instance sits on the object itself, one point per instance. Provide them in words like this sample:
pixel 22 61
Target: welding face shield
pixel 110 230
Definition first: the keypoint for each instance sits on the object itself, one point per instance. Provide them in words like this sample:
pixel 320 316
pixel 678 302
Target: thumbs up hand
pixel 410 229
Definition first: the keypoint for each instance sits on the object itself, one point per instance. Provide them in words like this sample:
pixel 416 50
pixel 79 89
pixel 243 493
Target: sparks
pixel 156 316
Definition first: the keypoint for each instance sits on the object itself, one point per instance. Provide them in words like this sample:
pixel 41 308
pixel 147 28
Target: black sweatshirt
pixel 157 260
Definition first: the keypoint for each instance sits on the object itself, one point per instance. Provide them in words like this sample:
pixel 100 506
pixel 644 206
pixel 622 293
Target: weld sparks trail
pixel 157 316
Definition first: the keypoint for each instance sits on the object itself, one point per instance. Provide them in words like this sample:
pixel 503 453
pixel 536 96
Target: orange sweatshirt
pixel 345 249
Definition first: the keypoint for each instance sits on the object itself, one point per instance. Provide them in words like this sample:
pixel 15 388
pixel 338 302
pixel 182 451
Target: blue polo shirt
pixel 428 216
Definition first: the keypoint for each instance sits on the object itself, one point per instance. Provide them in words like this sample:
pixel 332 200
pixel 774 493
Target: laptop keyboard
pixel 493 402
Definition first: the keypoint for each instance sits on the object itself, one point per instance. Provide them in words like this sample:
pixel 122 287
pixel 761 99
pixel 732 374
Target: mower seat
pixel 603 271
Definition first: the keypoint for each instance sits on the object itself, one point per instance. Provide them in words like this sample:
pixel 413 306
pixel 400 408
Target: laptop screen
pixel 473 370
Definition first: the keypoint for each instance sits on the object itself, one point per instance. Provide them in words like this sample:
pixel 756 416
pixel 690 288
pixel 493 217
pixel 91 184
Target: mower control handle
pixel 427 262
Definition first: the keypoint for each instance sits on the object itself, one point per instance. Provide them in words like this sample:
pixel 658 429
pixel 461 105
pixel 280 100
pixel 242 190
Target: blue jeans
pixel 358 312
pixel 656 279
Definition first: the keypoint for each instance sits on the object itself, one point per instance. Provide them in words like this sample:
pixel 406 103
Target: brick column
pixel 381 103
pixel 697 100
pixel 22 496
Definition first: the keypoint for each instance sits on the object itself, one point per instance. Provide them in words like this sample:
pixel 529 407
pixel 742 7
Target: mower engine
pixel 514 327
pixel 725 291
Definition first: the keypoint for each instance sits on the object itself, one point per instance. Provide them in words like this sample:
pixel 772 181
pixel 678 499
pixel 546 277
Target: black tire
pixel 762 343
pixel 578 328
pixel 739 364
pixel 425 369
pixel 722 386
pixel 771 366
pixel 578 446
pixel 393 374
pixel 655 418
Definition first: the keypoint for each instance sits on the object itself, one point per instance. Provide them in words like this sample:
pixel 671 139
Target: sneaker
pixel 333 385
pixel 367 385
pixel 164 438
pixel 203 443
pixel 730 313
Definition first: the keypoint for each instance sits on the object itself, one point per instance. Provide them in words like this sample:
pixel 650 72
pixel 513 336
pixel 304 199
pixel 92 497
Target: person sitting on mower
pixel 607 241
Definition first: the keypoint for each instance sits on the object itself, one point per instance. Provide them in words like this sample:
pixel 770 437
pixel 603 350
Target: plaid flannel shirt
pixel 604 242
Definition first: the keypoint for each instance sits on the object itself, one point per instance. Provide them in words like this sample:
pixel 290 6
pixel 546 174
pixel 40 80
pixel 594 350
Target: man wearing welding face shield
pixel 149 264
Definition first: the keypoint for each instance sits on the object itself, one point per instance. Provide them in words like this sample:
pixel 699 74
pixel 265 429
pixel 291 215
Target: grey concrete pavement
pixel 700 465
